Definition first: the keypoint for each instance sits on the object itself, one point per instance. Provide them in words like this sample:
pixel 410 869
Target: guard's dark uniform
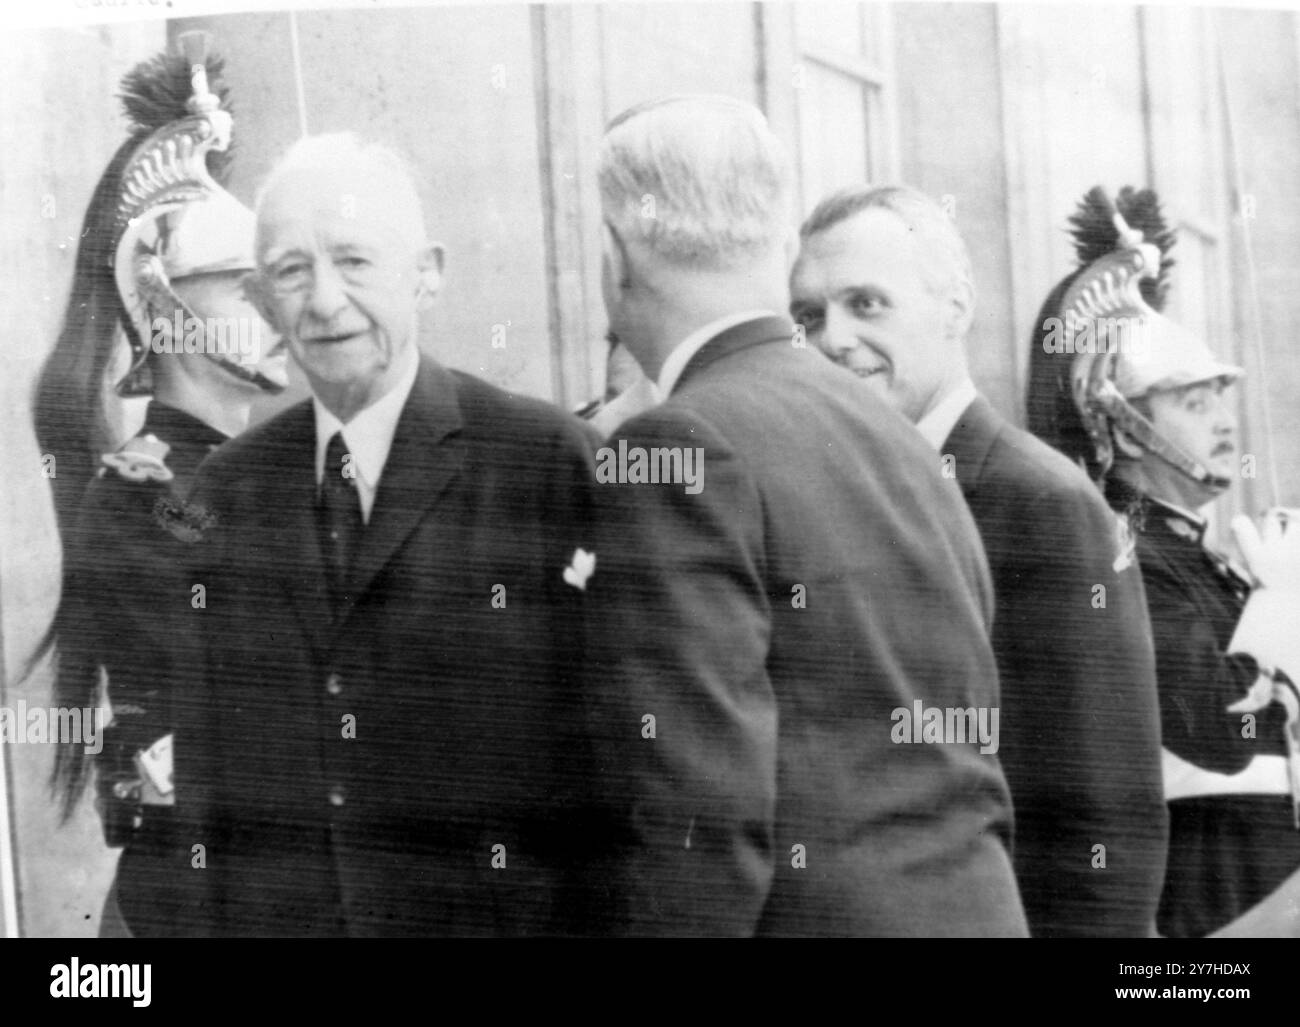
pixel 1230 850
pixel 129 612
pixel 142 620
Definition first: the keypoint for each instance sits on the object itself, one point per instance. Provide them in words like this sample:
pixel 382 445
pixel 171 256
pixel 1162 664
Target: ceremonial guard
pixel 157 282
pixel 1140 403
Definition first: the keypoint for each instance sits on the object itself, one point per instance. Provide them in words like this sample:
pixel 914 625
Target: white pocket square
pixel 580 569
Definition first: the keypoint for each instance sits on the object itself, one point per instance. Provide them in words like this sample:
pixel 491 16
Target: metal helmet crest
pixel 173 220
pixel 1120 348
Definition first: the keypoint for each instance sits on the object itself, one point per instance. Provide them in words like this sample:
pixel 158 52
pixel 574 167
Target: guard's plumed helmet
pixel 173 218
pixel 1101 343
pixel 158 213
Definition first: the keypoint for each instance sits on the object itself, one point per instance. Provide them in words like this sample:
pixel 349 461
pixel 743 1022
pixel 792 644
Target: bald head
pixel 342 175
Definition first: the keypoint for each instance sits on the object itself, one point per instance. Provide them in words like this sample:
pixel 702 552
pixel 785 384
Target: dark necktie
pixel 341 522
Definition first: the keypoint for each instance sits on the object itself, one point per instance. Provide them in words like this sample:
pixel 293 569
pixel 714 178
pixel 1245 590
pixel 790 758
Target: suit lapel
pixel 741 336
pixel 971 440
pixel 426 455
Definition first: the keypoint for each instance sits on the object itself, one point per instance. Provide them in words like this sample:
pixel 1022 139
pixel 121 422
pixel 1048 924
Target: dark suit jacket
pixel 1080 716
pixel 445 813
pixel 771 624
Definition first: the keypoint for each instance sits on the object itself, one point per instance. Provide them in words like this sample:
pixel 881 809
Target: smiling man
pixel 883 286
pixel 390 633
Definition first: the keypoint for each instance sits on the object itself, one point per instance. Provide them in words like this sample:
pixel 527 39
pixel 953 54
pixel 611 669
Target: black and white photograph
pixel 687 470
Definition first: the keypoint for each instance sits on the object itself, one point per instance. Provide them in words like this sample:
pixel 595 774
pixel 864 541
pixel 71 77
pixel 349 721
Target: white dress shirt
pixel 637 398
pixel 938 424
pixel 369 435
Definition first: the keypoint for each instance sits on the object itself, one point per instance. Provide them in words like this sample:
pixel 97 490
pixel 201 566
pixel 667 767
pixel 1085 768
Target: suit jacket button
pixel 336 796
pixel 334 684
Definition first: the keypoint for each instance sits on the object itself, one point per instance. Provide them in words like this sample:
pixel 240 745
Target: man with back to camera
pixel 756 624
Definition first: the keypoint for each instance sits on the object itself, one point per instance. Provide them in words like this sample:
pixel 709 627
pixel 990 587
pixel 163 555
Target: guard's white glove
pixel 1273 556
pixel 1269 629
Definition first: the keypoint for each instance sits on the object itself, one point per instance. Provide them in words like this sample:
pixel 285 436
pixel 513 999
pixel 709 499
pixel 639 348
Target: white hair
pixel 700 181
pixel 390 173
pixel 935 230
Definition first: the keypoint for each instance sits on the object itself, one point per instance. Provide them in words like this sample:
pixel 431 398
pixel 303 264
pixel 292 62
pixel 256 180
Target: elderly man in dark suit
pixel 379 741
pixel 883 285
pixel 782 578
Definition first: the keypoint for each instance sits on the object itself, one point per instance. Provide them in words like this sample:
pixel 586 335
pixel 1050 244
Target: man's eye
pixel 352 263
pixel 289 274
pixel 810 318
pixel 861 305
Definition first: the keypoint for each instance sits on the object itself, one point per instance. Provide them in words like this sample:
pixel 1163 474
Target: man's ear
pixel 614 252
pixel 1125 443
pixel 961 309
pixel 429 263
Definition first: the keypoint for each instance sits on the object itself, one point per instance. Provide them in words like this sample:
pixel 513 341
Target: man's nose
pixel 838 336
pixel 328 294
pixel 1225 417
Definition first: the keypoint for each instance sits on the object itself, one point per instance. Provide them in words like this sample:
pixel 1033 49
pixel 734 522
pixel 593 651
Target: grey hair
pixel 922 215
pixel 333 150
pixel 700 180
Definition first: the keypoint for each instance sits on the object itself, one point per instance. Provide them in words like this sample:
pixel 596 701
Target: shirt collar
pixel 369 435
pixel 681 355
pixel 938 424
pixel 640 396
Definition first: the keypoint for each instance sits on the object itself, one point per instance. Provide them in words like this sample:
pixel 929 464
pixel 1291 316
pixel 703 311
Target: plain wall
pixel 1012 112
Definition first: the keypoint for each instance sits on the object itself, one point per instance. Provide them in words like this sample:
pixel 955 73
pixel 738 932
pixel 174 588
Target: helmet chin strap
pixel 154 284
pixel 1124 417
pixel 245 373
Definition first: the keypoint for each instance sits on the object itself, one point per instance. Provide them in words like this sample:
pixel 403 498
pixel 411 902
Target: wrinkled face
pixel 234 324
pixel 867 298
pixel 340 276
pixel 1198 420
